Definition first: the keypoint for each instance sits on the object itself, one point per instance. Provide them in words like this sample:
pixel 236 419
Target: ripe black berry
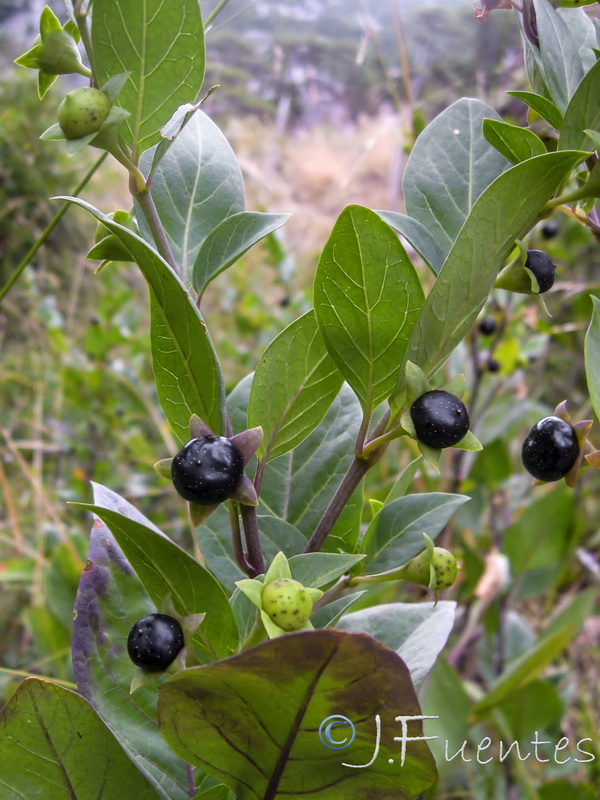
pixel 542 267
pixel 550 229
pixel 154 642
pixel 487 326
pixel 207 470
pixel 550 449
pixel 440 419
pixel 493 365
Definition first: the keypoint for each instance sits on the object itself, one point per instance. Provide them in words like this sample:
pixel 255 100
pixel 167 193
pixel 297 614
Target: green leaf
pixel 367 296
pixel 294 384
pixel 109 600
pixel 508 207
pixel 318 569
pixel 592 356
pixel 542 106
pixel 161 46
pixel 214 540
pixel 582 113
pixel 167 570
pixel 298 486
pixel 559 50
pixel 196 185
pixel 418 235
pixel 277 752
pixel 328 615
pixel 396 533
pixel 514 143
pixel 418 632
pixel 186 369
pixel 54 745
pixel 449 167
pixel 535 707
pixel 229 241
pixel 402 485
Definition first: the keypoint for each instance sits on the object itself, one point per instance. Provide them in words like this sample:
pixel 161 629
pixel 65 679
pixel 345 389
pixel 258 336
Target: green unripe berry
pixel 443 562
pixel 82 112
pixel 287 603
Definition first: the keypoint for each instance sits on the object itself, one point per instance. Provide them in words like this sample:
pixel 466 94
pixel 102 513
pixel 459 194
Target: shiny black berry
pixel 550 229
pixel 487 326
pixel 440 419
pixel 493 365
pixel 207 470
pixel 154 642
pixel 550 450
pixel 542 267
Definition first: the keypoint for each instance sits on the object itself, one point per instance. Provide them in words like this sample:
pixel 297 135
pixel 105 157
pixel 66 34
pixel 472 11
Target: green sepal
pixel 416 383
pixel 431 455
pixel 113 86
pixel 468 442
pixel 273 630
pixel 53 133
pixel 45 81
pixel 198 513
pixel 314 594
pixel 142 677
pixel 253 589
pixel 163 467
pixel 72 29
pixel 30 58
pixel 49 22
pixel 278 569
pixel 376 506
pixel 457 386
pixel 110 248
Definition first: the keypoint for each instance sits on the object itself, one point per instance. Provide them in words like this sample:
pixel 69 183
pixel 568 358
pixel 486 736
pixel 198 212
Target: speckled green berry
pixel 82 112
pixel 287 603
pixel 443 562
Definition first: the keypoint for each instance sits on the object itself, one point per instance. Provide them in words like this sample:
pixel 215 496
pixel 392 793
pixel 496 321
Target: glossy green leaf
pixel 328 615
pixel 583 112
pixel 404 480
pixel 542 106
pixel 418 632
pixel 318 569
pixel 110 599
pixel 514 143
pixel 186 369
pixel 367 296
pixel 592 356
pixel 259 733
pixel 166 570
pixel 396 534
pixel 229 241
pixel 197 184
pixel 417 235
pixel 53 745
pixel 506 209
pixel 214 540
pixel 449 167
pixel 161 45
pixel 560 57
pixel 295 382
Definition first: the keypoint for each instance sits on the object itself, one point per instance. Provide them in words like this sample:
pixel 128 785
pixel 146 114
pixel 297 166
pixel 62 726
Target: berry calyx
pixel 540 264
pixel 440 419
pixel 82 112
pixel 207 470
pixel 154 642
pixel 550 450
pixel 487 326
pixel 287 603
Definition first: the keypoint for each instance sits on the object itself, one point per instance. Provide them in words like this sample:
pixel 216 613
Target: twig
pixel 236 541
pixel 255 556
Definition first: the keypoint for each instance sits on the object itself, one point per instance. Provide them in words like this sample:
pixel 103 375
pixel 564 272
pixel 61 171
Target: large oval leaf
pixel 418 236
pixel 229 241
pixel 54 745
pixel 367 296
pixel 583 113
pixel 395 534
pixel 197 184
pixel 507 209
pixel 165 569
pixel 161 47
pixel 592 357
pixel 186 368
pixel 295 382
pixel 254 722
pixel 449 167
pixel 110 599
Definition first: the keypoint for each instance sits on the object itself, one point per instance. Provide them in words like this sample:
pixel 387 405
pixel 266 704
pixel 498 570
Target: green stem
pixel 571 197
pixel 147 205
pixel 217 10
pixel 81 20
pixel 48 230
pixel 255 556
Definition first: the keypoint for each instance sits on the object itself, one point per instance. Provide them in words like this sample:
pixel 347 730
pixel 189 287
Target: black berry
pixel 493 365
pixel 487 326
pixel 440 419
pixel 550 229
pixel 550 450
pixel 154 642
pixel 542 267
pixel 207 470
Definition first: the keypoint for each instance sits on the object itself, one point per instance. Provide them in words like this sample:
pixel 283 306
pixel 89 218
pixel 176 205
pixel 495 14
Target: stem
pixel 332 594
pixel 81 20
pixel 214 12
pixel 236 541
pixel 48 230
pixel 147 205
pixel 255 556
pixel 190 778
